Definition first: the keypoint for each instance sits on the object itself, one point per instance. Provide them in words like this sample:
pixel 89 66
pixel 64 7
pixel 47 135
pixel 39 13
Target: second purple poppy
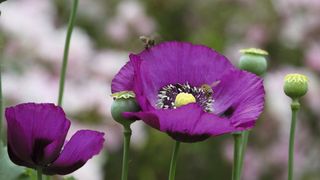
pixel 190 91
pixel 36 139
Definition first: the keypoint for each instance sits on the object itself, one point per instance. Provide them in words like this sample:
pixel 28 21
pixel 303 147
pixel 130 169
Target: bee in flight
pixel 207 89
pixel 147 41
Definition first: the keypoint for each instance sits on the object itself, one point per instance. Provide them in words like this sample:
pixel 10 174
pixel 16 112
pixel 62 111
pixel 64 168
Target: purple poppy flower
pixel 190 91
pixel 36 139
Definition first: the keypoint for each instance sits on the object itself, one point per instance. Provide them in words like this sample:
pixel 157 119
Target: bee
pixel 207 89
pixel 147 41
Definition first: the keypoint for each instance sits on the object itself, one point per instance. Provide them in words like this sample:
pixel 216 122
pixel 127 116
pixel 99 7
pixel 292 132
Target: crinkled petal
pixel 82 146
pixel 36 132
pixel 141 97
pixel 178 62
pixel 123 80
pixel 187 123
pixel 239 97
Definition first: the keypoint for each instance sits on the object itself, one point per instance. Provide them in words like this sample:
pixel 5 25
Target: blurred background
pixel 32 40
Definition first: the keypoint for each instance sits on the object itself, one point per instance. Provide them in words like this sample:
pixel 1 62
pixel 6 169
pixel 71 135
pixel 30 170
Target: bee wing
pixel 215 83
pixel 144 39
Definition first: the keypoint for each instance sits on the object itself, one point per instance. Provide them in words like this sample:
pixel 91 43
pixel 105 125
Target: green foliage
pixel 69 178
pixel 195 160
pixel 8 170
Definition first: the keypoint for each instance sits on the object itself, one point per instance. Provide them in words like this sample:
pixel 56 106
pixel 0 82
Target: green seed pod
pixel 124 101
pixel 295 85
pixel 254 60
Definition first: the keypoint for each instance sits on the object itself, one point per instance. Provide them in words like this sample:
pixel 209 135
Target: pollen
pixel 296 78
pixel 184 99
pixel 168 96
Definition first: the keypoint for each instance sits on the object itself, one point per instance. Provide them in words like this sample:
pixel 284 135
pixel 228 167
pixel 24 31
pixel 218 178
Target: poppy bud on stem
pixel 295 86
pixel 124 101
pixel 252 60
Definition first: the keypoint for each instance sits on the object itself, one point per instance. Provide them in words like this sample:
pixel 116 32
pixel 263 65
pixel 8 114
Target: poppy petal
pixel 187 123
pixel 239 97
pixel 82 146
pixel 123 80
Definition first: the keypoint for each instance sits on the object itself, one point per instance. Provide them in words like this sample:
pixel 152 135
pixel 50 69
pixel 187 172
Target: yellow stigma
pixel 254 51
pixel 297 78
pixel 184 99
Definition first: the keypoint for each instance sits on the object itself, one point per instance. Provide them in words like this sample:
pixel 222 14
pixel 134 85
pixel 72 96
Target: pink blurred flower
pixel 130 15
pixel 257 35
pixel 313 56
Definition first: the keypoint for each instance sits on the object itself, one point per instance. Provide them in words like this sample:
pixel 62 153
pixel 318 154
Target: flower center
pixel 175 95
pixel 184 99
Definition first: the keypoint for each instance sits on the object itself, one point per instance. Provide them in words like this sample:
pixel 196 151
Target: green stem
pixel 39 174
pixel 173 164
pixel 125 161
pixel 66 50
pixel 236 170
pixel 48 177
pixel 295 106
pixel 63 71
pixel 245 137
pixel 1 106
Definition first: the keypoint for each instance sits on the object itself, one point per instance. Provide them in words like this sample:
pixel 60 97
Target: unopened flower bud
pixel 295 85
pixel 253 60
pixel 124 101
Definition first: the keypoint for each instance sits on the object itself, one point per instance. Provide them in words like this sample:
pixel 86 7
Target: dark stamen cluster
pixel 168 93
